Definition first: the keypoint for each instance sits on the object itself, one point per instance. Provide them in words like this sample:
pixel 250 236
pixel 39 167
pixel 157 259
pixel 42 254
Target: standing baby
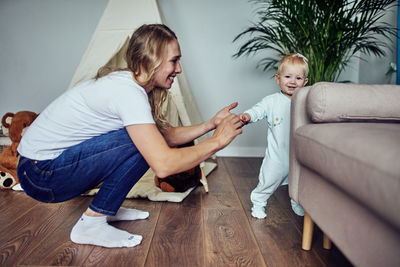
pixel 292 74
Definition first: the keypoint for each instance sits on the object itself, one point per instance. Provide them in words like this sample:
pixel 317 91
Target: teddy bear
pixel 182 181
pixel 16 124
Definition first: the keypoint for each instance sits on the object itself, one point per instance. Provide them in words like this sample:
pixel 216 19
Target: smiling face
pixel 290 78
pixel 169 67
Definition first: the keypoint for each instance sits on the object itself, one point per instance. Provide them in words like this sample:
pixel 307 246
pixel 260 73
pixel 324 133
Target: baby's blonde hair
pixel 294 59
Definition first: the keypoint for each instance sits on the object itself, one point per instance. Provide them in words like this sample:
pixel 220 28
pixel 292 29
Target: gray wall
pixel 373 69
pixel 41 45
pixel 42 42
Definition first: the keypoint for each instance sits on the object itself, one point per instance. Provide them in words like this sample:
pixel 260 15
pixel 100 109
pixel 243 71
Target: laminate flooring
pixel 206 229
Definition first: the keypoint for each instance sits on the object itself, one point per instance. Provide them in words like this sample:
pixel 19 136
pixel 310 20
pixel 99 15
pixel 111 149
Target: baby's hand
pixel 245 118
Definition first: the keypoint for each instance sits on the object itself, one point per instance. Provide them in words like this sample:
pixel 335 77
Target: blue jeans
pixel 111 158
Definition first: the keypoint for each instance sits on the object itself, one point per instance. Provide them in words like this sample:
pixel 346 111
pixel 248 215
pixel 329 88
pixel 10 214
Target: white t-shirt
pixel 89 109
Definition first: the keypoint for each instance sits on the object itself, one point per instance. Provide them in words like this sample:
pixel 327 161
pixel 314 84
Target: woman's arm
pixel 166 161
pixel 181 135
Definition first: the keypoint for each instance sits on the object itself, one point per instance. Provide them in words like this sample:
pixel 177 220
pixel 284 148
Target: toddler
pixel 292 74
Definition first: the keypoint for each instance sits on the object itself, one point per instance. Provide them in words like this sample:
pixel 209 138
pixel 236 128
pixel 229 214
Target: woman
pixel 111 130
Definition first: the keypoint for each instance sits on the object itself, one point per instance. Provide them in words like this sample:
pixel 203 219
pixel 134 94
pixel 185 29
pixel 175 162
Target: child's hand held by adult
pixel 245 118
pixel 228 129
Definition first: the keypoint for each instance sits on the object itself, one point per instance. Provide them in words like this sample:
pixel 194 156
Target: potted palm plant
pixel 328 32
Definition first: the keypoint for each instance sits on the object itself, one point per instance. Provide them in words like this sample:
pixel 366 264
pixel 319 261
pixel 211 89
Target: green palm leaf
pixel 328 32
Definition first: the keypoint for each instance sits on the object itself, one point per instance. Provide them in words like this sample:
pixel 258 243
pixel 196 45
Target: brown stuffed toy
pixel 16 124
pixel 182 181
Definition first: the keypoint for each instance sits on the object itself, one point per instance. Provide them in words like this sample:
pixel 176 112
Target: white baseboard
pixel 231 151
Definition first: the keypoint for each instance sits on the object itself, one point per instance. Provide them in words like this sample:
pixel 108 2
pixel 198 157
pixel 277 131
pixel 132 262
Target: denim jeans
pixel 111 158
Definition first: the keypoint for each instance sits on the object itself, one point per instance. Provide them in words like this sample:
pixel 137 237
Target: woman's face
pixel 169 68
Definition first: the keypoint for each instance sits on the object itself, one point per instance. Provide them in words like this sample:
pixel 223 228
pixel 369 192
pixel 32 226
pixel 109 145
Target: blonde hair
pixel 294 59
pixel 144 55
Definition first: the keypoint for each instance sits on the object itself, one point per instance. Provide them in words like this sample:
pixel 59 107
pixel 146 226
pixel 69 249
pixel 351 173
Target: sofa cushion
pixel 360 158
pixel 333 102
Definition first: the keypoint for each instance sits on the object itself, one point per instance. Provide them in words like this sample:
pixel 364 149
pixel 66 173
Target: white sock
pixel 96 231
pixel 125 214
pixel 297 208
pixel 258 212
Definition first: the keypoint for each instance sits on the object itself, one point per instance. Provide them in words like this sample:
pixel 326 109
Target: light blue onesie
pixel 275 166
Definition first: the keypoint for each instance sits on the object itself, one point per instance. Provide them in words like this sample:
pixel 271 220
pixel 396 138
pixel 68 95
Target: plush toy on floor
pixel 16 125
pixel 181 182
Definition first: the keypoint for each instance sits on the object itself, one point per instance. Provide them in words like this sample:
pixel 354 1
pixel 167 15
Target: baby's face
pixel 291 78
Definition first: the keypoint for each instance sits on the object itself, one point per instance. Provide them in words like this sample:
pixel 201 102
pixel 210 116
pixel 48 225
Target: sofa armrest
pixel 299 118
pixel 338 102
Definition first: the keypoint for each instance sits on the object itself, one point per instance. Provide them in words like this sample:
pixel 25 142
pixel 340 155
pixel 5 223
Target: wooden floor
pixel 214 229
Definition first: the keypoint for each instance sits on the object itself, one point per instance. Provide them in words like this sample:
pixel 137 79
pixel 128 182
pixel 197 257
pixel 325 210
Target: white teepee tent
pixel 108 46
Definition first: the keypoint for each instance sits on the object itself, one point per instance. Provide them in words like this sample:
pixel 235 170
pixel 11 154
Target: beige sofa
pixel 345 168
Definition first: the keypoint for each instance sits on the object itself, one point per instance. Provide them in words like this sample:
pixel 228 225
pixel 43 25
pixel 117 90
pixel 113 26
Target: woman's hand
pixel 222 114
pixel 165 160
pixel 228 129
pixel 181 135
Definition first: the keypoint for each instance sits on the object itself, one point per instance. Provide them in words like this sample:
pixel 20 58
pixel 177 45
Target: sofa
pixel 345 168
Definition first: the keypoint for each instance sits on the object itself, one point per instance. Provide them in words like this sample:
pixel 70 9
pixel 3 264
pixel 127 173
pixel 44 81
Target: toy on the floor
pixel 15 124
pixel 182 181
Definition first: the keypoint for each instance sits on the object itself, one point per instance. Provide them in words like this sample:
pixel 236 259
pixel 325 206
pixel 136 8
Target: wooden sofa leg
pixel 308 230
pixel 327 244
